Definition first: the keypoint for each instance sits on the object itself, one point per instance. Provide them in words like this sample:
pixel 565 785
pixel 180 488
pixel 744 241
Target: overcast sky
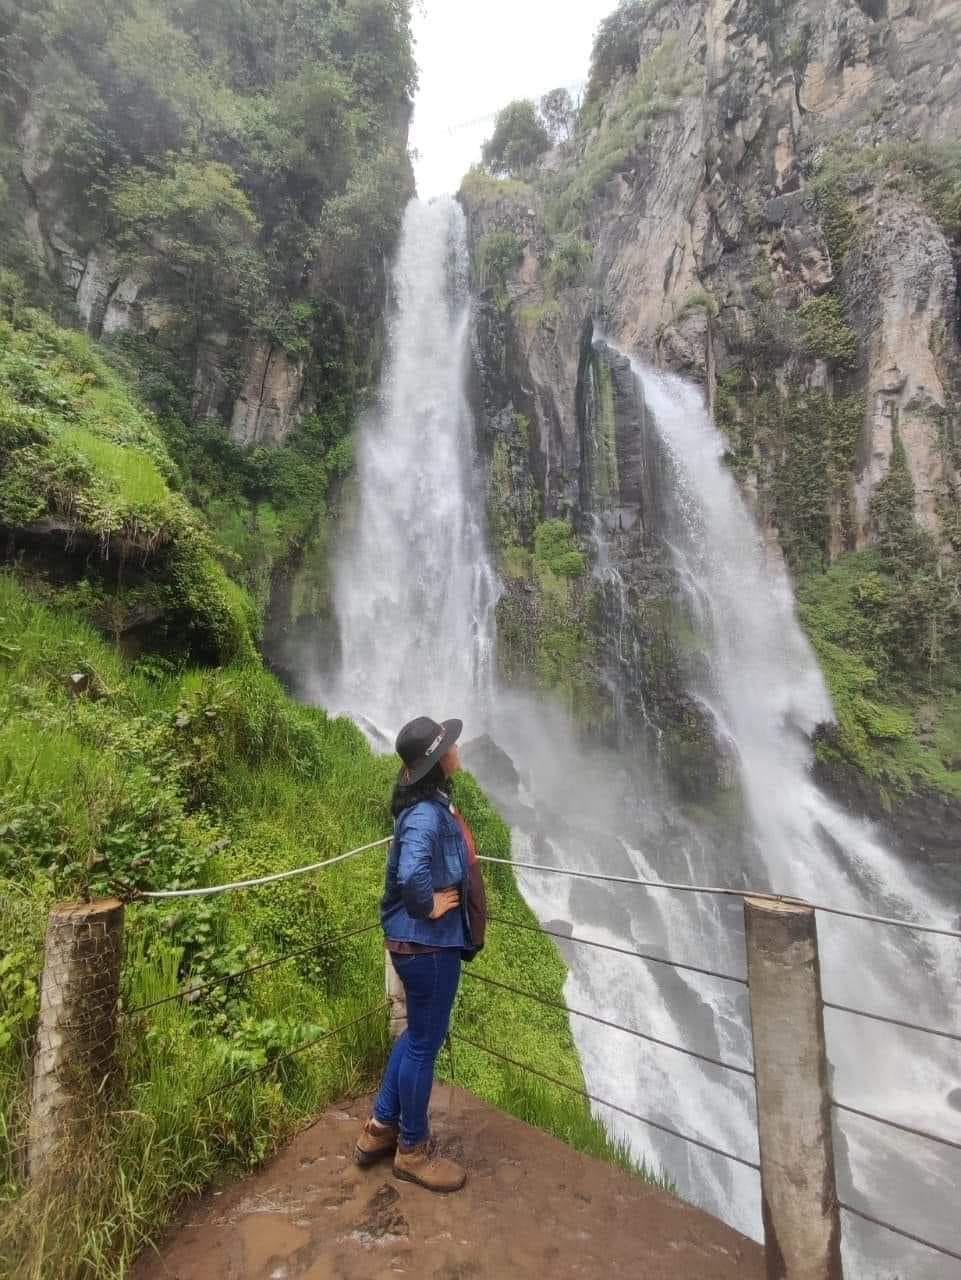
pixel 475 57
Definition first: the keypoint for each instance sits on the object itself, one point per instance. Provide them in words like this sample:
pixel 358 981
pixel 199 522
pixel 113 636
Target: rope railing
pixel 899 1231
pixel 621 951
pixel 896 1124
pixel 605 1022
pixel 190 992
pixel 207 890
pixel 603 1102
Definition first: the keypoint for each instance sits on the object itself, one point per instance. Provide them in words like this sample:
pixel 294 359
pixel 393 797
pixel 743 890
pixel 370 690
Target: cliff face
pixel 245 378
pixel 765 198
pixel 224 184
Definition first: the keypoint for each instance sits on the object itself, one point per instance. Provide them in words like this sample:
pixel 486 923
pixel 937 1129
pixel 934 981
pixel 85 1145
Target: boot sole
pixel 366 1158
pixel 438 1191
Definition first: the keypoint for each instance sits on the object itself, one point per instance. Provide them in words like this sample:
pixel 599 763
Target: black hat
pixel 421 743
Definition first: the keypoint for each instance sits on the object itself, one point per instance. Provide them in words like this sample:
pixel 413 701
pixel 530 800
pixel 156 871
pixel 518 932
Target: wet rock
pixel 492 764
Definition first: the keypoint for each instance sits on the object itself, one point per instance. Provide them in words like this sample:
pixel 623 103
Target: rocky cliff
pixel 766 198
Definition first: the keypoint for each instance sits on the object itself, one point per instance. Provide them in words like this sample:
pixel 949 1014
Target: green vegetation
pixel 604 463
pixel 569 261
pixel 617 45
pixel 825 334
pixel 84 466
pixel 612 136
pixel 498 254
pixel 886 625
pixel 158 778
pixel 479 187
pixel 698 300
pixel 247 167
pixel 556 551
pixel 544 618
pixel 520 137
pixel 931 172
pixel 179 761
pixel 218 129
pixel 898 725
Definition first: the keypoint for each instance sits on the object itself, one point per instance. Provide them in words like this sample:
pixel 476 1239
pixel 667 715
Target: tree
pixel 518 139
pixel 557 108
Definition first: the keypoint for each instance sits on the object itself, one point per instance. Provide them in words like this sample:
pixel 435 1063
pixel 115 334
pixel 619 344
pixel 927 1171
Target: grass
pixel 76 445
pixel 131 472
pixel 189 776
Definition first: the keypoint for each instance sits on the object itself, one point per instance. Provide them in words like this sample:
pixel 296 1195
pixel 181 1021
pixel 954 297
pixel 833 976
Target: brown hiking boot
pixel 376 1141
pixel 420 1164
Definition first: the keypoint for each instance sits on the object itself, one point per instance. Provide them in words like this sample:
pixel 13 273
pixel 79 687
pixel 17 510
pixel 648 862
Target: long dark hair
pixel 404 796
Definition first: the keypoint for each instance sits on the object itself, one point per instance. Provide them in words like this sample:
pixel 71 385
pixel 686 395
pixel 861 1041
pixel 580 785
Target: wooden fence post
pixel 77 1034
pixel 396 999
pixel 802 1228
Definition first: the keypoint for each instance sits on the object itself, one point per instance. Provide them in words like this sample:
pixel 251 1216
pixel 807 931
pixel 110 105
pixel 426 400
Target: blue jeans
pixel 430 984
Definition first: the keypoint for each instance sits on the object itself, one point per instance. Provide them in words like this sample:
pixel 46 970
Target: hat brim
pixel 410 774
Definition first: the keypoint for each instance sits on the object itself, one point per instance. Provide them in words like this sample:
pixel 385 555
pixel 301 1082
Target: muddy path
pixel 532 1208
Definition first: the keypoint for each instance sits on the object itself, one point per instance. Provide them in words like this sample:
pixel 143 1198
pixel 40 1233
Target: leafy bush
pixel 556 549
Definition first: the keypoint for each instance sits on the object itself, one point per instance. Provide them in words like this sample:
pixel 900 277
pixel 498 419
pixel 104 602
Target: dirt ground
pixel 532 1208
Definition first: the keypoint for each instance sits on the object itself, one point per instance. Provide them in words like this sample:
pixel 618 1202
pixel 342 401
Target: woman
pixel 432 914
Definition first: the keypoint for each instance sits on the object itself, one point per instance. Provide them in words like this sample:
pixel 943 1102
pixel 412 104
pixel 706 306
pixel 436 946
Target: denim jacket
pixel 428 853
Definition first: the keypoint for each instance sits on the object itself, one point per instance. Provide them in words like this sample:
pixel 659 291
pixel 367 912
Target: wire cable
pixel 899 1231
pixel 726 893
pixel 249 884
pixel 253 968
pixel 602 1102
pixel 894 1022
pixel 621 951
pixel 604 1022
pixel 328 1035
pixel 895 1124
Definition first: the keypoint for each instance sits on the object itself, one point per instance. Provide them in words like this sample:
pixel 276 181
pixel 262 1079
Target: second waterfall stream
pixel 416 594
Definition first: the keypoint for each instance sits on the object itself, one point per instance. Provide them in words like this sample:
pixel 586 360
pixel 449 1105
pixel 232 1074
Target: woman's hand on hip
pixel 444 901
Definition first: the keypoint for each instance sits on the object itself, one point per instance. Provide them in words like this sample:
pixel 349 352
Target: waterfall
pixel 415 597
pixel 415 592
pixel 765 694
